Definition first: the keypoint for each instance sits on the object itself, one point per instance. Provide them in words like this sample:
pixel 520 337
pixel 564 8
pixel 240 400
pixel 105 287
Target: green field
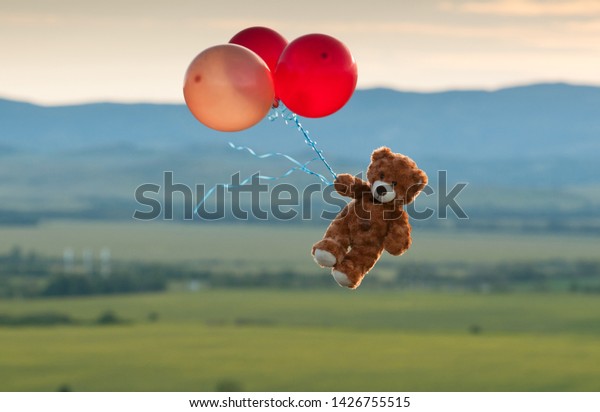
pixel 309 341
pixel 285 245
pixel 328 339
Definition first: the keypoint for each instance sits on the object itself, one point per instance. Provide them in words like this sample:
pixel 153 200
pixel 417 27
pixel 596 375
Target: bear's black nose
pixel 381 190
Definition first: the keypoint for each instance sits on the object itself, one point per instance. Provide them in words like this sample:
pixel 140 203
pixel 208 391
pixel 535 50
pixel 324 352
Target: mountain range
pixel 543 136
pixel 533 121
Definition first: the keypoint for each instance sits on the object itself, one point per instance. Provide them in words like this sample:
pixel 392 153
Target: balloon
pixel 315 76
pixel 228 88
pixel 265 42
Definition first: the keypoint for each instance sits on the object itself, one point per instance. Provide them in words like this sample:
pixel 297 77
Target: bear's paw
pixel 342 279
pixel 324 258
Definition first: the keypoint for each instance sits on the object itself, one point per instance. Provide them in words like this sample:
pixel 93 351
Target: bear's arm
pixel 398 239
pixel 347 185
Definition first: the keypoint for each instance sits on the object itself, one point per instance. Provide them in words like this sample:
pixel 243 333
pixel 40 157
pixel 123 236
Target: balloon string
pixel 299 166
pixel 288 116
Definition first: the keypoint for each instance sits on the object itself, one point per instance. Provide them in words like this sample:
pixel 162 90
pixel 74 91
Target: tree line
pixel 30 275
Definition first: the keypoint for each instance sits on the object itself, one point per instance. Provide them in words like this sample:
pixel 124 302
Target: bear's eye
pixel 394 183
pixel 381 176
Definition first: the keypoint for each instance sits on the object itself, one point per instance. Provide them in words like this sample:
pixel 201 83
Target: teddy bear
pixel 374 220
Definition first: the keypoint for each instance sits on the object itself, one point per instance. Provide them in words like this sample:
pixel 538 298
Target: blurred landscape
pixel 508 299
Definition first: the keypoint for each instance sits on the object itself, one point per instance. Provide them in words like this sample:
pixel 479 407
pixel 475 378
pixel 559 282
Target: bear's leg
pixel 357 263
pixel 334 245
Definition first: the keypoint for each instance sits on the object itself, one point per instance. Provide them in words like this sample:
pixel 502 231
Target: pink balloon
pixel 228 88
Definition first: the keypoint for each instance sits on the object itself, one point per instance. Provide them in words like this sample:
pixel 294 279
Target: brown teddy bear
pixel 374 220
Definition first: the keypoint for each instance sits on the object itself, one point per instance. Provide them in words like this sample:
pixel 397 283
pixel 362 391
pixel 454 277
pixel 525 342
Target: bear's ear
pixel 381 153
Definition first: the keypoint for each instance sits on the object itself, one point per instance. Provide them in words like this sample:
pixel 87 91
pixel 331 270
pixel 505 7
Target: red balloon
pixel 316 75
pixel 265 42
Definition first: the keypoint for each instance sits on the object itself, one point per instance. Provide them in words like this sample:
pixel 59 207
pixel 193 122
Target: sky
pixel 73 51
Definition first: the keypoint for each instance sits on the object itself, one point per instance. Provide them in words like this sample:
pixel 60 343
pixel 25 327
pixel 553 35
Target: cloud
pixel 590 26
pixel 29 19
pixel 526 8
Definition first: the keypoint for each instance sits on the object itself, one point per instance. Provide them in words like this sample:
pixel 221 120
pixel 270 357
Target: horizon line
pixel 133 101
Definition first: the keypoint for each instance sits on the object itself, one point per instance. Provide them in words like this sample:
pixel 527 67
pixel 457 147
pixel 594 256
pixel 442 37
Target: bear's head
pixel 394 177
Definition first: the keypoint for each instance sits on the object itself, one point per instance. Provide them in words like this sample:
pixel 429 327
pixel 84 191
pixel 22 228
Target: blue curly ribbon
pixel 300 166
pixel 287 116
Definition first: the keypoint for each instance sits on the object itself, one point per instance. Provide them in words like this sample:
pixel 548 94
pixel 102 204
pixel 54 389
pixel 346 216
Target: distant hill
pixel 526 122
pixel 529 151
